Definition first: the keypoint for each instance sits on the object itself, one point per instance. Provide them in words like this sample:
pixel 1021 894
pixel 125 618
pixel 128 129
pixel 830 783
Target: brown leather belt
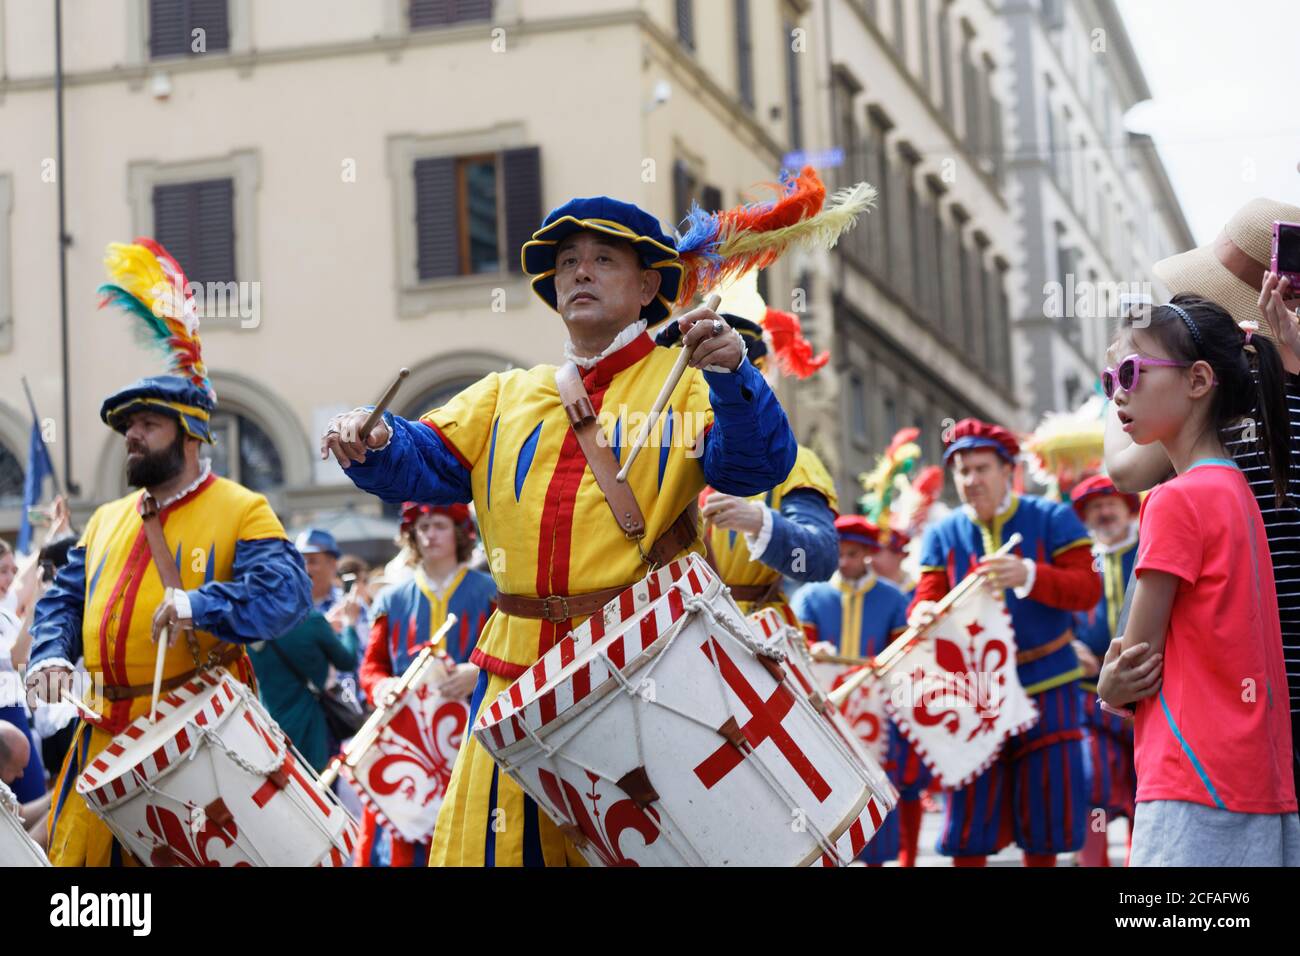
pixel 755 593
pixel 681 534
pixel 227 655
pixel 1051 647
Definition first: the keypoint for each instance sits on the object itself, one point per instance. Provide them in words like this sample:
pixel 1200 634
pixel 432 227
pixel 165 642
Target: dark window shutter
pixel 172 22
pixel 793 92
pixel 168 28
pixel 437 233
pixel 683 189
pixel 744 53
pixel 213 16
pixel 522 170
pixel 195 222
pixel 442 13
pixel 686 23
pixel 711 198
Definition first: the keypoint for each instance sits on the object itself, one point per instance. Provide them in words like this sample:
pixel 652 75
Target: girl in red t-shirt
pixel 1202 652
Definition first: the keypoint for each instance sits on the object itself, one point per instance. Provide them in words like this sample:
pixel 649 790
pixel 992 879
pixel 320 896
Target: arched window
pixel 243 452
pixel 11 479
pixel 437 396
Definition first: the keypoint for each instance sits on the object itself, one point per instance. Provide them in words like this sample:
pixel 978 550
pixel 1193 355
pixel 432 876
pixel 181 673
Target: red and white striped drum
pixel 214 782
pixel 664 731
pixel 16 847
pixel 862 715
pixel 404 774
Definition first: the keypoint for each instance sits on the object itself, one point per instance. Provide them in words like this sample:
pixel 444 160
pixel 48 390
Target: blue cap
pixel 316 541
pixel 172 395
pixel 656 248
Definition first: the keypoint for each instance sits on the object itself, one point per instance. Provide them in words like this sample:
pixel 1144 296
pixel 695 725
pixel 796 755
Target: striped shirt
pixel 1283 528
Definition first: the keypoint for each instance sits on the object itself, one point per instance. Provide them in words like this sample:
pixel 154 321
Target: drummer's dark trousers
pixel 1035 794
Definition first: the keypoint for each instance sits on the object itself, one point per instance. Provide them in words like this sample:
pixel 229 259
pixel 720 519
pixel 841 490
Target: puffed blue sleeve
pixel 56 622
pixel 416 465
pixel 750 448
pixel 804 545
pixel 268 594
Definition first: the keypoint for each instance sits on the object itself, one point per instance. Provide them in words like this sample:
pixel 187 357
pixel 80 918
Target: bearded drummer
pixel 788 531
pixel 242 581
pixel 506 443
pixel 404 618
pixel 1038 781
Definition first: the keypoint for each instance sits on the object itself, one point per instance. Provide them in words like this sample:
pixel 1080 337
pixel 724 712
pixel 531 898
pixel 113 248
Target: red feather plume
pixel 793 352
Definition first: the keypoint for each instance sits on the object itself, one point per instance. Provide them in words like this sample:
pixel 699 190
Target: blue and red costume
pixel 1108 738
pixel 1035 793
pixel 404 619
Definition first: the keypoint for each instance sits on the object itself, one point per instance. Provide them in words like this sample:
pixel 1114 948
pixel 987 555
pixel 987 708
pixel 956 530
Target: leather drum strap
pixel 164 562
pixel 600 457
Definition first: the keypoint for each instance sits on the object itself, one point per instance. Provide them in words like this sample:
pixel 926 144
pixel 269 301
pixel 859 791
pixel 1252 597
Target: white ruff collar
pixel 203 473
pixel 629 334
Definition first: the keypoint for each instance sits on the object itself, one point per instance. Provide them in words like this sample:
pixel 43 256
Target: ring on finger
pixel 718 326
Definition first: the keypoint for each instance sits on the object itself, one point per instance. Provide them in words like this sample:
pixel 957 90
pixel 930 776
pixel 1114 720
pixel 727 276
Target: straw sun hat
pixel 1230 270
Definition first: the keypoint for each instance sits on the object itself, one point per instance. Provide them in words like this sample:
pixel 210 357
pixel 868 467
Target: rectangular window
pixel 744 54
pixel 971 86
pixel 900 30
pixel 686 23
pixel 195 222
pixel 474 213
pixel 432 14
pixel 923 27
pixel 934 282
pixel 794 93
pixel 878 223
pixel 188 27
pixel 945 60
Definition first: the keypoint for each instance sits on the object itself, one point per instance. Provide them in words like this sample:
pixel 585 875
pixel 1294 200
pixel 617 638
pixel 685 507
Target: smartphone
pixel 37 517
pixel 1286 253
pixel 349 581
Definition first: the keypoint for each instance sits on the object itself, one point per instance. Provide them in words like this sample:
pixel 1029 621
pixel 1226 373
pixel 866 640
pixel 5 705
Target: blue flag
pixel 38 468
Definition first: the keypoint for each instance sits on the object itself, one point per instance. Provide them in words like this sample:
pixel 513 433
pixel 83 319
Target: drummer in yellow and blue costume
pixel 857 613
pixel 786 532
pixel 557 553
pixel 243 582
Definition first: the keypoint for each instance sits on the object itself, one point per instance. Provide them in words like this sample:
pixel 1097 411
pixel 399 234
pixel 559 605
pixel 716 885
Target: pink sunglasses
pixel 1125 375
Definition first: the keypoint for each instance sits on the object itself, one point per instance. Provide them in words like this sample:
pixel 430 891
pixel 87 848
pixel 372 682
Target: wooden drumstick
pixel 365 738
pixel 665 393
pixel 895 651
pixel 382 405
pixel 163 638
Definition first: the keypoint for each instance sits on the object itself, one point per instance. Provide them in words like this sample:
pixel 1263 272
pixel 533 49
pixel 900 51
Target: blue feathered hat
pixel 172 395
pixel 657 249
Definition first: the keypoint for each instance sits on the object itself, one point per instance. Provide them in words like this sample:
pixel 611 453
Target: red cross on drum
pixel 666 731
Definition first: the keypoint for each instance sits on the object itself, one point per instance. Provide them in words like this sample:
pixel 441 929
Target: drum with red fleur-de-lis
pixel 403 773
pixel 665 731
pixel 213 781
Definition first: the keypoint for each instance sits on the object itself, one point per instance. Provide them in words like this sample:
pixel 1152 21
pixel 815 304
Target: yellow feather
pixel 822 230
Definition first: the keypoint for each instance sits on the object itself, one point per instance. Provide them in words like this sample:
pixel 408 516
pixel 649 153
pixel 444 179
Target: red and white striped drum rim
pixel 571 673
pixel 119 772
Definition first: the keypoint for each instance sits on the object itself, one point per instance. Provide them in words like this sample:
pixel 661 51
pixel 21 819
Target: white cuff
pixel 757 543
pixel 1031 570
pixel 48 663
pixel 371 451
pixel 182 601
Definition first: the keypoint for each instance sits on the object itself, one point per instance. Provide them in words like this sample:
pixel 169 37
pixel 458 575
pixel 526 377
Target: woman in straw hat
pixel 1233 271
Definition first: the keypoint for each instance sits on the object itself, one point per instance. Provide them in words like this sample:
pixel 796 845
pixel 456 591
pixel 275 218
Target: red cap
pixel 1098 485
pixel 970 433
pixel 858 528
pixel 412 510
